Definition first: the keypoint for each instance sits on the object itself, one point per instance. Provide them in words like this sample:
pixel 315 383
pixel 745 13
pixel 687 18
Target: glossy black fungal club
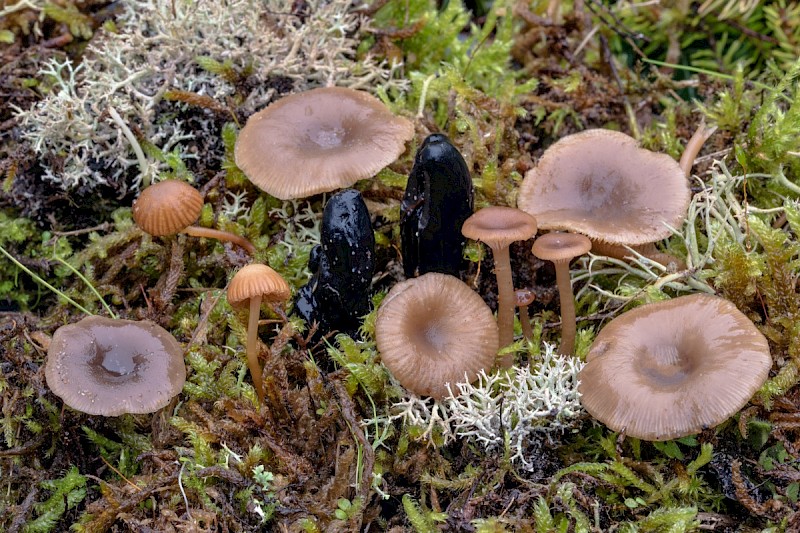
pixel 338 294
pixel 437 201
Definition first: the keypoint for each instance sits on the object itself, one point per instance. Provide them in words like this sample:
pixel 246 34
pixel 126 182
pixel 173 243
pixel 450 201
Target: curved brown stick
pixel 648 250
pixel 693 147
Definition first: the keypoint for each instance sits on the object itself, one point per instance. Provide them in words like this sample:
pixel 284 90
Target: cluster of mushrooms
pixel 595 190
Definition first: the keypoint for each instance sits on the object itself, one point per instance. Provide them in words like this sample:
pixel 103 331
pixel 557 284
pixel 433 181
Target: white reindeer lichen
pixel 524 406
pixel 93 126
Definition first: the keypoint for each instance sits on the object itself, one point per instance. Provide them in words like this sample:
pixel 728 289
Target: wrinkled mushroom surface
pixel 433 330
pixel 259 280
pixel 601 184
pixel 318 141
pixel 108 367
pixel 673 368
pixel 167 207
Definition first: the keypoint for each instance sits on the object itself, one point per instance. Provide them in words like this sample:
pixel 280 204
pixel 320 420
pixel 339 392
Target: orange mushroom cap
pixel 318 141
pixel 257 280
pixel 167 207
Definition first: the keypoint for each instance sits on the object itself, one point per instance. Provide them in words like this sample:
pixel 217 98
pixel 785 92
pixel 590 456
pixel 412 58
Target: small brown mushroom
pixel 434 330
pixel 252 285
pixel 108 367
pixel 319 141
pixel 673 368
pixel 601 184
pixel 172 206
pixel 524 298
pixel 561 248
pixel 498 227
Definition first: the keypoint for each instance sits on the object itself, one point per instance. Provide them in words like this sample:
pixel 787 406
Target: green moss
pixel 65 493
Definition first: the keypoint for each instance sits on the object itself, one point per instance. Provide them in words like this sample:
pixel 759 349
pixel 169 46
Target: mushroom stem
pixel 525 297
pixel 505 300
pixel 693 147
pixel 567 308
pixel 209 233
pixel 525 321
pixel 252 347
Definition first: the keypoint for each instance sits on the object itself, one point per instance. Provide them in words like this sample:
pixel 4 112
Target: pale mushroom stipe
pixel 561 248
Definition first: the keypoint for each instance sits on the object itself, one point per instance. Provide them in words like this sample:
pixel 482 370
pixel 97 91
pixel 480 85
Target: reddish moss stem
pixel 693 147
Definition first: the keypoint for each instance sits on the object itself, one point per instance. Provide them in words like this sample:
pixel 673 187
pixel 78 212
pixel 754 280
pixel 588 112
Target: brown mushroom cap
pixel 600 183
pixel 673 368
pixel 525 297
pixel 499 226
pixel 167 207
pixel 318 141
pixel 257 280
pixel 559 246
pixel 432 330
pixel 108 367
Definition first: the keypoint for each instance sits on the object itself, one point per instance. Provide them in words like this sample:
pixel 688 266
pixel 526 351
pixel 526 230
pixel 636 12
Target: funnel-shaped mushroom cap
pixel 318 141
pixel 499 226
pixel 559 246
pixel 108 367
pixel 432 330
pixel 257 280
pixel 670 369
pixel 601 184
pixel 167 207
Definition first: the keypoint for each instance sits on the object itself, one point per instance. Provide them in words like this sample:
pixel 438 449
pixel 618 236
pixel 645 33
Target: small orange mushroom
pixel 524 298
pixel 171 206
pixel 252 285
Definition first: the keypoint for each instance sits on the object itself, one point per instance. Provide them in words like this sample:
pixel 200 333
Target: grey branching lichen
pixel 526 407
pixel 101 122
pixel 523 406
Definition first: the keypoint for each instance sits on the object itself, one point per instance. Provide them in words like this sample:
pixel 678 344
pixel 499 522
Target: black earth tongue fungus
pixel 439 197
pixel 338 294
